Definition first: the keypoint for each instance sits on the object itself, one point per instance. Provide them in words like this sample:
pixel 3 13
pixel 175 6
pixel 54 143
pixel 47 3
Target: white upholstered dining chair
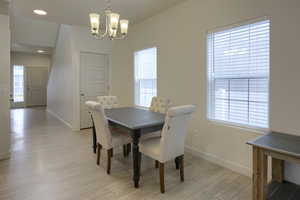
pixel 160 105
pixel 171 143
pixel 108 102
pixel 107 137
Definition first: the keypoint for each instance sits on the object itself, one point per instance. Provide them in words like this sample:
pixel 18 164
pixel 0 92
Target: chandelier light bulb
pixel 124 26
pixel 95 22
pixel 114 20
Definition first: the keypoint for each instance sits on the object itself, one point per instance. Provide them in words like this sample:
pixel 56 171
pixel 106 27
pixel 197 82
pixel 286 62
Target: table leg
pixel 264 175
pixel 277 170
pixel 94 137
pixel 136 157
pixel 256 174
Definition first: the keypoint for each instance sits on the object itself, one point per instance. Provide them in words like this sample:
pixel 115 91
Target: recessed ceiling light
pixel 40 12
pixel 41 51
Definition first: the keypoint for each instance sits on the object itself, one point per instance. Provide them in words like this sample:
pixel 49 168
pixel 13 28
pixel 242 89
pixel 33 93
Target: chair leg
pixel 99 147
pixel 140 161
pixel 177 162
pixel 124 150
pixel 162 177
pixel 109 155
pixel 128 148
pixel 182 168
pixel 156 164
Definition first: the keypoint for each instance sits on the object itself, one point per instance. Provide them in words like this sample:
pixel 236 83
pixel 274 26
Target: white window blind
pixel 145 76
pixel 238 74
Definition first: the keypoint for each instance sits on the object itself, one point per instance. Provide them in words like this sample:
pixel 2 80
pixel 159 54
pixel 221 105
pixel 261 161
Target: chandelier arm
pixel 102 35
pixel 119 36
pixel 106 24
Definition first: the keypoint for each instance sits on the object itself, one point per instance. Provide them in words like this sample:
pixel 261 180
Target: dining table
pixel 137 122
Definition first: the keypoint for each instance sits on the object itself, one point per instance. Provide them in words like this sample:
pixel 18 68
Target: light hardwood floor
pixel 50 162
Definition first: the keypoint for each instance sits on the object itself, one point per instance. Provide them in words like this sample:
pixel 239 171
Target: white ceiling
pixel 75 12
pixel 31 32
pixel 17 47
pixel 28 35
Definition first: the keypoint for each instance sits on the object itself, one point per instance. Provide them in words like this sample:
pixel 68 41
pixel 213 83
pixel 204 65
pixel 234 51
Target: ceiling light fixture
pixel 41 51
pixel 111 24
pixel 40 12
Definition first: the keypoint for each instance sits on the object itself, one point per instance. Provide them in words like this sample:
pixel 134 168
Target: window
pixel 18 83
pixel 238 74
pixel 145 76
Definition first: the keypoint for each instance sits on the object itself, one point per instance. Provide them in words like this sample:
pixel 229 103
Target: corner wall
pixel 61 80
pixel 64 81
pixel 4 87
pixel 179 34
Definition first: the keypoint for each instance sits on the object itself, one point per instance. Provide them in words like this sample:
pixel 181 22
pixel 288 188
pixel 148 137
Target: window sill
pixel 258 130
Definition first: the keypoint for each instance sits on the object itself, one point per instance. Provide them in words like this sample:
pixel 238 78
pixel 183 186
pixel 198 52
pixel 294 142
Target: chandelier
pixel 111 30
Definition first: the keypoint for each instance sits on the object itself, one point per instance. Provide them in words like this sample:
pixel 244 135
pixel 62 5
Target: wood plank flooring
pixel 51 162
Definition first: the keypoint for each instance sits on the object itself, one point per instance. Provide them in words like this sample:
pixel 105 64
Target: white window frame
pixel 136 92
pixel 209 85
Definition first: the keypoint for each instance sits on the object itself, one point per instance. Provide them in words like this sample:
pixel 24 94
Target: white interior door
pixel 36 83
pixel 93 82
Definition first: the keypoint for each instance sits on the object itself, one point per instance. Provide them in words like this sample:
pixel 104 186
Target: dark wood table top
pixel 279 142
pixel 134 118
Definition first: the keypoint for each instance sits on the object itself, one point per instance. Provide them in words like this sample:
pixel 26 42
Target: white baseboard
pixel 219 161
pixel 59 118
pixel 4 156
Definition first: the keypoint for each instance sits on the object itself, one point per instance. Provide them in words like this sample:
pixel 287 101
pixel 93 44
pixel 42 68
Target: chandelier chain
pixel 108 4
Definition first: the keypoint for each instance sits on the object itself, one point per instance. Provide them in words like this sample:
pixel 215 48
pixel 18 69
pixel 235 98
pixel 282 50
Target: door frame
pixel 27 88
pixel 77 102
pixel 18 104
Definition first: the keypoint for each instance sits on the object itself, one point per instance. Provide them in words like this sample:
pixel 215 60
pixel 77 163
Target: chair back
pixel 174 132
pixel 101 124
pixel 108 102
pixel 160 105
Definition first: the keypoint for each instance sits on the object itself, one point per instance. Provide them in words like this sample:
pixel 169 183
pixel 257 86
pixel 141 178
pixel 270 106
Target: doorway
pixel 36 86
pixel 18 86
pixel 93 82
pixel 29 86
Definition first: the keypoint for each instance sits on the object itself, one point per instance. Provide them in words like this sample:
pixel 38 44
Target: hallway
pixel 51 162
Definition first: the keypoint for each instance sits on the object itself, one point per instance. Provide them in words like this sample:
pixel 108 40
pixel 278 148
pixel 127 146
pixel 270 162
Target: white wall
pixel 61 80
pixel 4 7
pixel 4 87
pixel 30 60
pixel 179 34
pixel 64 83
pixel 122 71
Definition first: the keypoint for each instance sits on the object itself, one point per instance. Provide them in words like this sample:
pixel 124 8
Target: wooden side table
pixel 280 147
